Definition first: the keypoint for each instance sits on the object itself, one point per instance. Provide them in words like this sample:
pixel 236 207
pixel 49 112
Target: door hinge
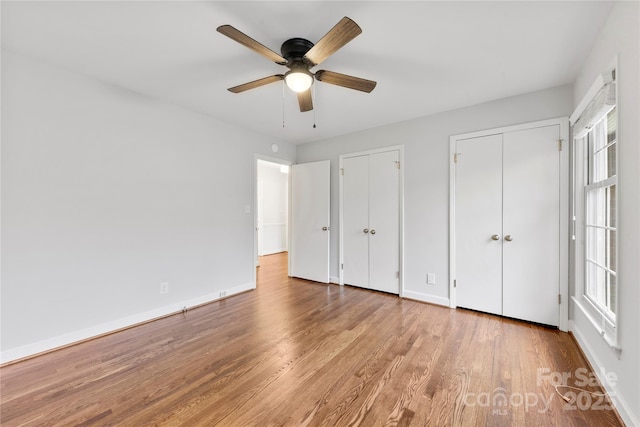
pixel 342 171
pixel 455 157
pixel 559 299
pixel 342 266
pixel 397 274
pixel 560 145
pixel 455 283
pixel 397 164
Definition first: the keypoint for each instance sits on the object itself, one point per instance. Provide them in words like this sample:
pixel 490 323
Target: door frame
pixel 276 160
pixel 400 149
pixel 563 123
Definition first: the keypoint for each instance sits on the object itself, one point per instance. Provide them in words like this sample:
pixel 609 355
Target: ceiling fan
pixel 300 55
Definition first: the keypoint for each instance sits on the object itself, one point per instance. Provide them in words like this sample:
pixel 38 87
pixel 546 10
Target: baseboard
pixel 65 340
pixel 432 299
pixel 621 405
pixel 334 280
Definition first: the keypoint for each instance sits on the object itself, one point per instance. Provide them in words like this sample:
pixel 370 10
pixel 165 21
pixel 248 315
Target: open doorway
pixel 272 209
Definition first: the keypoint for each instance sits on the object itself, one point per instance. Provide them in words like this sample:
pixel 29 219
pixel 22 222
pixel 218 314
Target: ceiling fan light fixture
pixel 298 80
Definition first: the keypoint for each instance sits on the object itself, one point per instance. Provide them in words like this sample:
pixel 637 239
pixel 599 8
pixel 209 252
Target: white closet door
pixel 309 252
pixel 384 224
pixel 478 217
pixel 531 260
pixel 355 208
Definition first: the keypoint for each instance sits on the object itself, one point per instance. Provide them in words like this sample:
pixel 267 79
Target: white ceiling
pixel 426 56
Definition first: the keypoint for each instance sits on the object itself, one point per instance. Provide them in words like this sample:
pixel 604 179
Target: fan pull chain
pixel 283 89
pixel 315 100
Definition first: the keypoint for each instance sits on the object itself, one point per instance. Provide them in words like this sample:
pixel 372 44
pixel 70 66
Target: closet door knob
pixel 325 228
pixel 365 231
pixel 495 237
pixel 508 238
pixel 373 231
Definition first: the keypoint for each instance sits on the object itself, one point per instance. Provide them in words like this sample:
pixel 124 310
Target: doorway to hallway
pixel 273 268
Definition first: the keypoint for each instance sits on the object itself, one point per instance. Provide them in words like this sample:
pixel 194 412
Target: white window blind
pixel 603 101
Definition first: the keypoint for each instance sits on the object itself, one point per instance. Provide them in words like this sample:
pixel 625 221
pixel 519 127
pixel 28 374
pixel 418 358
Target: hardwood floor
pixel 300 353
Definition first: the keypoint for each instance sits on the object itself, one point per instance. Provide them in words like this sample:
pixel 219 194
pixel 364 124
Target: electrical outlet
pixel 164 287
pixel 223 294
pixel 431 279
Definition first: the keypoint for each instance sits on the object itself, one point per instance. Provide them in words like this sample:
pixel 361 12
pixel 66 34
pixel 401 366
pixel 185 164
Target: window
pixel 600 253
pixel 595 193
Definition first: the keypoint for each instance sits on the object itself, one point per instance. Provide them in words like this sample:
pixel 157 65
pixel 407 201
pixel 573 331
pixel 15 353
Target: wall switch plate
pixel 164 287
pixel 431 279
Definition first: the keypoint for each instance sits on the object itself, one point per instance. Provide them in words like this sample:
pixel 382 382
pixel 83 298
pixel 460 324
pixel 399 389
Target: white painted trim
pixel 603 326
pixel 400 149
pixel 565 229
pixel 452 221
pixel 402 291
pixel 115 325
pixel 340 221
pixel 335 280
pixel 374 151
pixel 622 406
pixel 431 299
pixel 563 123
pixel 507 129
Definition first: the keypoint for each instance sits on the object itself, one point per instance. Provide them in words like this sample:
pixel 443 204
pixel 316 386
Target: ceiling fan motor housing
pixel 293 50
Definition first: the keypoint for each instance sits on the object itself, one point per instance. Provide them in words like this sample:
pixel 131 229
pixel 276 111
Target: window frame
pixel 601 98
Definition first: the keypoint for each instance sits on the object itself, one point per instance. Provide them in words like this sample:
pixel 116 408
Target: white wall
pixel 106 194
pixel 273 201
pixel 620 36
pixel 426 176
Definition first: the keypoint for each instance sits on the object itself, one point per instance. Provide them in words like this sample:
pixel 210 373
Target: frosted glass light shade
pixel 298 81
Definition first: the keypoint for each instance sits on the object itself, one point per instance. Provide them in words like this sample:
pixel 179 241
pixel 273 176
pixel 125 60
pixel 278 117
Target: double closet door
pixel 507 224
pixel 371 221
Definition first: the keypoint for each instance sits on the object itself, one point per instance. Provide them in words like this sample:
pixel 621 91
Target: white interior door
pixel 310 214
pixel 384 222
pixel 531 224
pixel 478 223
pixel 355 223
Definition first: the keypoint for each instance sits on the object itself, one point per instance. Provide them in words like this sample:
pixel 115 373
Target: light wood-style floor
pixel 299 353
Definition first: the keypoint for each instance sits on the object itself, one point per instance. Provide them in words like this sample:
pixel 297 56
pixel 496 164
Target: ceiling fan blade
pixel 305 101
pixel 341 34
pixel 256 83
pixel 243 39
pixel 344 80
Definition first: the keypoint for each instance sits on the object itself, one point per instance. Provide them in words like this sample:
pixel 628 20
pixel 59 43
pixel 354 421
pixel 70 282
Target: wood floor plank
pixel 299 353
